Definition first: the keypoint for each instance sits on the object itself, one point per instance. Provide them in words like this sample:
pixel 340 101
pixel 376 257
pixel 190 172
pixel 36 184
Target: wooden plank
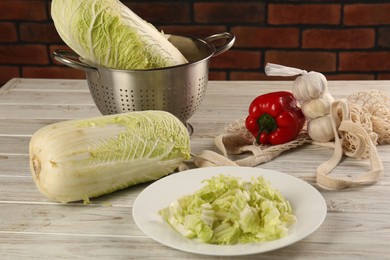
pixel 14 165
pixel 4 90
pixel 288 162
pixel 22 190
pixel 64 246
pixel 329 242
pixel 100 219
pixel 88 247
pixel 86 219
pixel 47 84
pixel 23 127
pixel 38 97
pixel 14 144
pixel 63 112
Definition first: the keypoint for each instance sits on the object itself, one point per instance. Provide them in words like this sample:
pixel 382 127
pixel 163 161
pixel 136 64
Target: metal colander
pixel 177 89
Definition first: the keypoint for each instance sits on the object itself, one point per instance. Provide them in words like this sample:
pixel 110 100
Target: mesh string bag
pixel 365 123
pixel 371 111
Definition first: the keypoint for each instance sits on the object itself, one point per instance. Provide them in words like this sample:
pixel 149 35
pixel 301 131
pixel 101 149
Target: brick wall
pixel 342 39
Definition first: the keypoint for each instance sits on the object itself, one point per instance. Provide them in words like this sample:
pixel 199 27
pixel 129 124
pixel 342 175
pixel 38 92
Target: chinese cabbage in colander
pixel 107 33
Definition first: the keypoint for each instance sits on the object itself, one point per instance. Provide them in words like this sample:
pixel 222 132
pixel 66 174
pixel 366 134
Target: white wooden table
pixel 357 225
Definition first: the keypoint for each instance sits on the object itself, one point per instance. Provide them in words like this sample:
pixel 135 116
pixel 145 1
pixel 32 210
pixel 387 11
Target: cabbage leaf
pixel 107 33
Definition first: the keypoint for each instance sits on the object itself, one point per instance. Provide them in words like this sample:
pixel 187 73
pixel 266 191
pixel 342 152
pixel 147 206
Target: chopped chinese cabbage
pixel 229 210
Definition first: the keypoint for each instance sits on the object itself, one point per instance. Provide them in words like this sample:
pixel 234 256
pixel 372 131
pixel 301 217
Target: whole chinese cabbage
pixel 109 34
pixel 85 158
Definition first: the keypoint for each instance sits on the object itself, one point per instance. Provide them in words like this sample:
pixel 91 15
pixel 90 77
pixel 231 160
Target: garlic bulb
pixel 320 129
pixel 309 86
pixel 317 107
pixel 311 90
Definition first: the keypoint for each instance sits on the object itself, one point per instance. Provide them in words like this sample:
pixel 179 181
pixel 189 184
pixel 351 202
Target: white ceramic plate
pixel 308 205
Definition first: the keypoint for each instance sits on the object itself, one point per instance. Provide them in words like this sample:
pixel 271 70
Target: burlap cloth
pixel 365 123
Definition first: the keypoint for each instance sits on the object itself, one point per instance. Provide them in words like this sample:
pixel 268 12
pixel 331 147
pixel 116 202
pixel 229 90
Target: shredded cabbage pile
pixel 229 210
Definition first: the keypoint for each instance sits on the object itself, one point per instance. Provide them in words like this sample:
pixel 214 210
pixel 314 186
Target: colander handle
pixel 221 49
pixel 71 59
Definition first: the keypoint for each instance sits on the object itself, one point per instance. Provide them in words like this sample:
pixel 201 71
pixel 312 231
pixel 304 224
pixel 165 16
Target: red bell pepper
pixel 274 118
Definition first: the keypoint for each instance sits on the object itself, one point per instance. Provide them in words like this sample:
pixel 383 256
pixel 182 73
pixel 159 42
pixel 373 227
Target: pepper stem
pixel 266 124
